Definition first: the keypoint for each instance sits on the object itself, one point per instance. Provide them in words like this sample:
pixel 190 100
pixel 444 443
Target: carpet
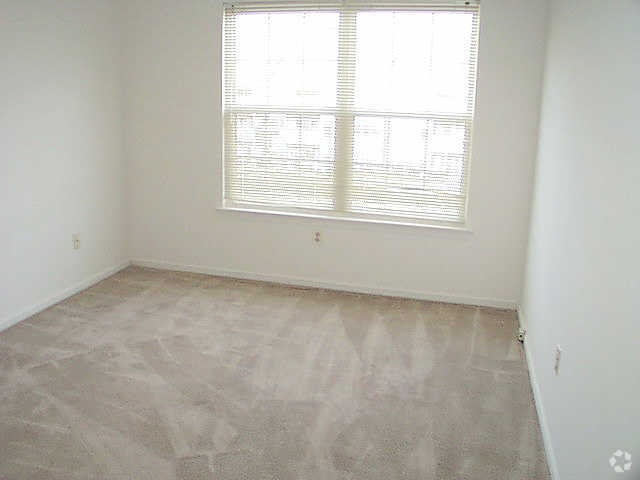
pixel 163 375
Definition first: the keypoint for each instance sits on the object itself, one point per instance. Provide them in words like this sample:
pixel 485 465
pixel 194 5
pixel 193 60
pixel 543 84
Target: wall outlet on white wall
pixel 75 239
pixel 317 237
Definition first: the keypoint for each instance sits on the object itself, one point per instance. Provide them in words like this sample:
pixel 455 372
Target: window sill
pixel 349 218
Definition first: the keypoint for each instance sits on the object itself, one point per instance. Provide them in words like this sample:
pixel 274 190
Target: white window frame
pixel 228 205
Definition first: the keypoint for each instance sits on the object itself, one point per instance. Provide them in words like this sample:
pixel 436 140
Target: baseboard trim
pixel 307 282
pixel 58 297
pixel 537 397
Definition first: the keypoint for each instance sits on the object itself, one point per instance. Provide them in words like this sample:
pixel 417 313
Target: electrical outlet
pixel 75 238
pixel 317 237
pixel 556 366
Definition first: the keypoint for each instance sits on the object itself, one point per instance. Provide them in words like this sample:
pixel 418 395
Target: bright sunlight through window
pixel 348 111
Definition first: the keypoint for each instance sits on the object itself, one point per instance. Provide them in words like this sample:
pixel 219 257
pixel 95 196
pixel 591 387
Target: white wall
pixel 62 167
pixel 582 290
pixel 174 134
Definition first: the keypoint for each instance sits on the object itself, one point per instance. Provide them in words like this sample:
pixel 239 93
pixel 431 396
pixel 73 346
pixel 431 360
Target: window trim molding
pixel 234 207
pixel 281 5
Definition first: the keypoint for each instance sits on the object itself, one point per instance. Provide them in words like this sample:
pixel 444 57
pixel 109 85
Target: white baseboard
pixel 58 297
pixel 346 287
pixel 537 397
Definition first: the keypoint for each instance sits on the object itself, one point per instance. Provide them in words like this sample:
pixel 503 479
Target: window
pixel 349 111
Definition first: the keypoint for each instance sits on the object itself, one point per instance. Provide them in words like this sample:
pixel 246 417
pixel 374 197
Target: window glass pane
pixel 407 143
pixel 408 167
pixel 282 159
pixel 368 140
pixel 286 59
pixel 413 61
pixel 445 166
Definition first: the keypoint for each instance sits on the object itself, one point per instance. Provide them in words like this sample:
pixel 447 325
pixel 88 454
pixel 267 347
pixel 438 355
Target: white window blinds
pixel 349 111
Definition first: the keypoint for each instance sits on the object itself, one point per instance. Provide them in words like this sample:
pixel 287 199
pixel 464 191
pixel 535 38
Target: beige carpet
pixel 160 375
